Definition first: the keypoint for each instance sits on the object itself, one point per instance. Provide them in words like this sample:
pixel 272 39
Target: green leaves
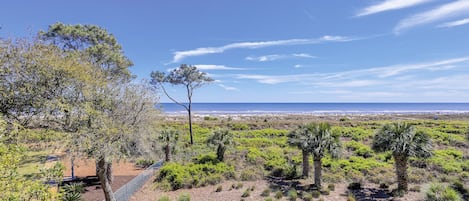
pixel 317 139
pixel 402 139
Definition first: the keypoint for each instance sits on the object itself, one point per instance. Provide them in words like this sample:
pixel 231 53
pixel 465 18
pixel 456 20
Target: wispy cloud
pixel 228 88
pixel 357 78
pixel 216 67
pixel 448 10
pixel 274 57
pixel 180 55
pixel 389 5
pixel 455 23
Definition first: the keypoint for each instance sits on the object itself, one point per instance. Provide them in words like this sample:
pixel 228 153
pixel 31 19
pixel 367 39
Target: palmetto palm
pixel 221 138
pixel 298 138
pixel 169 137
pixel 322 141
pixel 403 141
pixel 317 139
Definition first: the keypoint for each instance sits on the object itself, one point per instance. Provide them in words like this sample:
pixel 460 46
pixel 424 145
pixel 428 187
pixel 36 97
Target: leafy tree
pixel 102 47
pixel 321 140
pixel 169 138
pixel 221 138
pixel 403 141
pixel 298 138
pixel 189 77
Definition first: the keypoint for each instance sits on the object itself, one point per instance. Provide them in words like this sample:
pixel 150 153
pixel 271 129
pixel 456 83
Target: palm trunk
pixel 317 171
pixel 305 164
pixel 167 153
pixel 220 153
pixel 401 172
pixel 102 175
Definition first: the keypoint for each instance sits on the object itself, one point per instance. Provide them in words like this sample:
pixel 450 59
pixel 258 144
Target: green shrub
pixel 359 149
pixel 331 187
pixel 315 193
pixel 239 185
pixel 265 192
pixel 268 199
pixel 246 193
pixel 143 163
pixel 326 192
pixel 184 197
pixel 219 188
pixel 206 159
pixel 307 196
pixel 292 195
pixel 278 194
pixel 164 198
pixel 438 192
pixel 193 175
pixel 250 174
pixel 351 197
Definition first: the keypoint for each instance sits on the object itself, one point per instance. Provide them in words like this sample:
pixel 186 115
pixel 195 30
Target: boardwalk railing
pixel 125 192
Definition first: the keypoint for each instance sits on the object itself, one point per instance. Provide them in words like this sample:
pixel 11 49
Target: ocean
pixel 318 108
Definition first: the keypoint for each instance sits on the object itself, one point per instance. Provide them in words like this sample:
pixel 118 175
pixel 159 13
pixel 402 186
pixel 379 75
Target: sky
pixel 280 51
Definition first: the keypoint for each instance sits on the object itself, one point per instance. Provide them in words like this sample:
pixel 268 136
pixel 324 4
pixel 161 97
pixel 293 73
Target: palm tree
pixel 169 137
pixel 298 138
pixel 221 138
pixel 404 142
pixel 320 140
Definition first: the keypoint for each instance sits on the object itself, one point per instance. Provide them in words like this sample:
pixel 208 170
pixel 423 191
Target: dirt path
pixel 86 170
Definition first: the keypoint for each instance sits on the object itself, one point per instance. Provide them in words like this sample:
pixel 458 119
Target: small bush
pixel 438 192
pixel 144 163
pixel 307 196
pixel 354 186
pixel 164 198
pixel 326 192
pixel 219 188
pixel 331 187
pixel 184 197
pixel 351 197
pixel 265 192
pixel 246 193
pixel 239 185
pixel 292 195
pixel 414 189
pixel 315 193
pixel 278 194
pixel 253 188
pixel 268 199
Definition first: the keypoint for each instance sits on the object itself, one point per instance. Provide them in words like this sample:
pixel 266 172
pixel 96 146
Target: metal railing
pixel 125 192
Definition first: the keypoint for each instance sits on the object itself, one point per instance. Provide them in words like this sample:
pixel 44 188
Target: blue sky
pixel 282 51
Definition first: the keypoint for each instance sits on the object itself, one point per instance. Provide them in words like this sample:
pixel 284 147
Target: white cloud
pixel 298 66
pixel 180 55
pixel 274 57
pixel 215 67
pixel 390 5
pixel 228 88
pixel 453 9
pixel 455 23
pixel 356 78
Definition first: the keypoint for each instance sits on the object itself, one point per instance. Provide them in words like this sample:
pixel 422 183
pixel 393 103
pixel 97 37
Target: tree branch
pixel 171 98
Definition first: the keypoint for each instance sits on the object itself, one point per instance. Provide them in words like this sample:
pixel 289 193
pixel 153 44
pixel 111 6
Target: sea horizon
pixel 319 108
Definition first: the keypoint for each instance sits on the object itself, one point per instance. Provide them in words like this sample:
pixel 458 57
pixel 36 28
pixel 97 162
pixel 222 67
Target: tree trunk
pixel 305 164
pixel 102 175
pixel 167 153
pixel 401 172
pixel 109 175
pixel 317 171
pixel 190 123
pixel 220 153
